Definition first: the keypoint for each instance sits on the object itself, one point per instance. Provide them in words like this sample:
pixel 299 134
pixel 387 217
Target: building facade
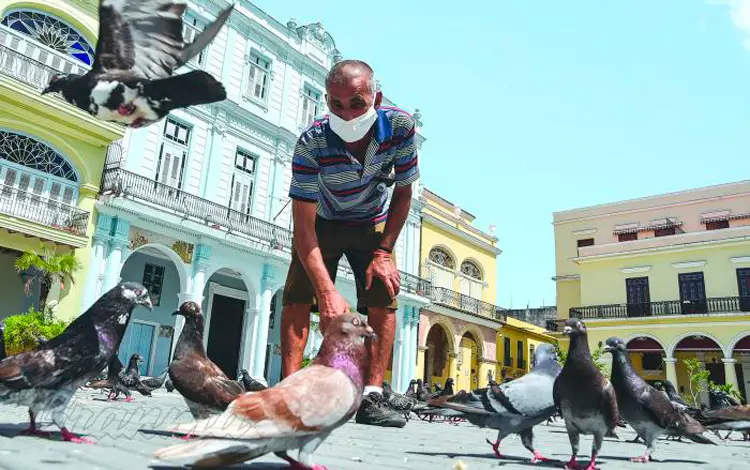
pixel 669 274
pixel 51 154
pixel 197 207
pixel 458 330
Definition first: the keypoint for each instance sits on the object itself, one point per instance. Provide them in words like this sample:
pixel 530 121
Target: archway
pixel 704 348
pixel 437 360
pixel 150 333
pixel 468 362
pixel 227 334
pixel 741 353
pixel 647 356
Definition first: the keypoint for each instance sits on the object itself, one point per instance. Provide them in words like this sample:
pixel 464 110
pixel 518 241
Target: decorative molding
pixel 740 259
pixel 635 269
pixel 586 231
pixel 567 277
pixel 689 264
pixel 461 234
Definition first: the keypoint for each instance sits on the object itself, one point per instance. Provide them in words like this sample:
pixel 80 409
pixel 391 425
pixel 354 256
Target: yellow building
pixel 524 330
pixel 51 154
pixel 669 274
pixel 457 332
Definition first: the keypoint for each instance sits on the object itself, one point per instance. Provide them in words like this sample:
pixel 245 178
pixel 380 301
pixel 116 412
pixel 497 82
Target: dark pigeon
pixel 140 46
pixel 150 384
pixel 514 407
pixel 299 412
pixel 672 394
pixel 45 379
pixel 130 379
pixel 249 383
pixel 204 386
pixel 109 383
pixel 734 418
pixel 585 397
pixel 168 385
pixel 401 402
pixel 646 409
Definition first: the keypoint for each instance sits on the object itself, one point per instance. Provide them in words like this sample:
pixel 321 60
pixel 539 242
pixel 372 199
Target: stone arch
pixel 635 336
pixel 169 253
pixel 478 265
pixel 476 334
pixel 439 361
pixel 672 347
pixel 733 343
pixel 252 289
pixel 56 143
pixel 448 329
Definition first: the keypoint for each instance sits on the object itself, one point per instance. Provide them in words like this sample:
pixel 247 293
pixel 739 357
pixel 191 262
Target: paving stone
pixel 123 443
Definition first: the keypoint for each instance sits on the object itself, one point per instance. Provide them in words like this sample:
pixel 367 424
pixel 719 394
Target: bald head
pixel 351 89
pixel 348 71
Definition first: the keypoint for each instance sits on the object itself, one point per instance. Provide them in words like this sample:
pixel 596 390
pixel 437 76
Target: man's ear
pixel 378 99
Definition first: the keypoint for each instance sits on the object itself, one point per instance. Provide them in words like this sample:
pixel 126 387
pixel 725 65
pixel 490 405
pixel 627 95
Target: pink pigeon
pixel 298 413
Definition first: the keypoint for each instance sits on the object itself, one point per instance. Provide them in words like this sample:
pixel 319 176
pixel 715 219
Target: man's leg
pixel 295 326
pixel 383 321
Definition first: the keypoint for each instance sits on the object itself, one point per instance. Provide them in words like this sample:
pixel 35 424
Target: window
pixel 153 280
pixel 471 281
pixel 638 296
pixel 627 237
pixel 442 258
pixel 173 153
pixel 258 78
pixel 507 359
pixel 717 224
pixel 52 33
pixel 532 355
pixel 441 268
pixel 652 361
pixel 585 242
pixel 310 105
pixel 743 288
pixel 470 269
pixel 520 363
pixel 692 293
pixel 191 27
pixel 241 192
pixel 665 231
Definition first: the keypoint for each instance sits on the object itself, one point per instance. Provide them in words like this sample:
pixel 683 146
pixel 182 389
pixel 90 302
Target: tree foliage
pixel 47 269
pixel 23 331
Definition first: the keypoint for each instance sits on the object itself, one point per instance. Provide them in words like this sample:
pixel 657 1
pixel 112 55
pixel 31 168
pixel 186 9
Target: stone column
pixel 406 345
pixel 730 373
pixel 117 245
pixel 100 242
pixel 201 263
pixel 268 288
pixel 672 371
pixel 413 341
pixel 453 366
pixel 397 368
pixel 247 350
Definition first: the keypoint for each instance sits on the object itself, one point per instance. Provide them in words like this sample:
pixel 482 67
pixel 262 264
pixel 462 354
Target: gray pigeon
pixel 646 409
pixel 46 378
pixel 585 397
pixel 299 412
pixel 513 407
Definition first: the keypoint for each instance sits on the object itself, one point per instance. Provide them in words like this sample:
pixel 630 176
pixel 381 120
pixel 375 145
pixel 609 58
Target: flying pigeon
pixel 46 378
pixel 297 413
pixel 646 409
pixel 514 407
pixel 585 397
pixel 140 46
pixel 204 386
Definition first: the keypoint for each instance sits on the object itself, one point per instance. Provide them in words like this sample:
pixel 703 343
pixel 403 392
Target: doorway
pixel 225 333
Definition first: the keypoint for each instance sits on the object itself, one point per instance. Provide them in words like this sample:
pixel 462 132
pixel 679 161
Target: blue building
pixel 196 208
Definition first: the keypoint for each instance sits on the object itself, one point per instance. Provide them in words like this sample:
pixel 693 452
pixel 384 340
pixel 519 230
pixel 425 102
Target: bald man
pixel 343 165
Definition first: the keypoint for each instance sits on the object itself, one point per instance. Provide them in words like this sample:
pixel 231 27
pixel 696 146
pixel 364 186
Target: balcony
pixel 535 316
pixel 456 300
pixel 44 211
pixel 32 63
pixel 709 306
pixel 415 285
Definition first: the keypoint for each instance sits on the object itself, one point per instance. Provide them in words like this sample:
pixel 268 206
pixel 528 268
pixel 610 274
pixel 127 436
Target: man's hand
pixel 330 305
pixel 383 268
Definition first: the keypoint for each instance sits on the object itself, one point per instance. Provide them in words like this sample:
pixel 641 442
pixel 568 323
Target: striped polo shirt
pixel 323 171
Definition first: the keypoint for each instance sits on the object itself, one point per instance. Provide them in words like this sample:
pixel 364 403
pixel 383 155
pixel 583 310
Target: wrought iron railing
pixel 42 210
pixel 664 308
pixel 125 183
pixel 415 284
pixel 457 300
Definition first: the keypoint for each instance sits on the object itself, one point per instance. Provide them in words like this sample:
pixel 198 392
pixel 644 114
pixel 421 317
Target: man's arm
pixel 303 214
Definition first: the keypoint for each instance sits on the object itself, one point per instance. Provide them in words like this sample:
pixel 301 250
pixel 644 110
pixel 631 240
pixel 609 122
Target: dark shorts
pixel 336 239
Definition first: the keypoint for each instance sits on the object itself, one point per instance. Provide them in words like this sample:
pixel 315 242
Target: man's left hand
pixel 383 268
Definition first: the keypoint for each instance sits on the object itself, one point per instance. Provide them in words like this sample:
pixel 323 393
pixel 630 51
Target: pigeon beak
pixel 147 303
pixel 608 349
pixel 370 333
pixel 176 312
pixel 567 330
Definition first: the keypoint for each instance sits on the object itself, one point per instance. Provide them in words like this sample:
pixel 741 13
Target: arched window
pixel 470 269
pixel 51 32
pixel 31 168
pixel 441 257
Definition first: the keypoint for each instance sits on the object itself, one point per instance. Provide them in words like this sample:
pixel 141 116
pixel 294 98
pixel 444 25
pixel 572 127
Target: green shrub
pixel 23 330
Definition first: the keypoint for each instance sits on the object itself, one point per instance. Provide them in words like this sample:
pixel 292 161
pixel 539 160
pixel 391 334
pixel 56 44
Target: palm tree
pixel 47 269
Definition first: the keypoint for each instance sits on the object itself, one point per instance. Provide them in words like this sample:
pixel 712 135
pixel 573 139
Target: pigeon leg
pixel 574 439
pixel 32 430
pixel 294 465
pixel 646 457
pixel 527 439
pixel 595 448
pixel 68 436
pixel 496 445
pixel 129 399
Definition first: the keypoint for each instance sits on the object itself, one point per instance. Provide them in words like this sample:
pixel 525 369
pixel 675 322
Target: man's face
pixel 351 99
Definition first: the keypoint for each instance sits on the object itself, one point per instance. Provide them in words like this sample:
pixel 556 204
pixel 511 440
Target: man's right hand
pixel 330 304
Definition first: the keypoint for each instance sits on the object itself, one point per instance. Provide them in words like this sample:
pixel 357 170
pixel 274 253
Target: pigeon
pixel 646 409
pixel 140 46
pixel 672 394
pixel 149 384
pixel 297 413
pixel 114 366
pixel 585 397
pixel 250 384
pixel 168 385
pixel 204 386
pixel 514 407
pixel 735 418
pixel 46 378
pixel 401 402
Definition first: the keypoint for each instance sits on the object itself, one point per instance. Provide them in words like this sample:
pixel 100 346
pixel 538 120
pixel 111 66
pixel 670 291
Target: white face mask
pixel 354 129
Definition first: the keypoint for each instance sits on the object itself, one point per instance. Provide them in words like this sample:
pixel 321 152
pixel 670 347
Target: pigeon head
pixel 545 354
pixel 57 83
pixel 135 293
pixel 189 310
pixel 574 327
pixel 137 359
pixel 615 345
pixel 344 346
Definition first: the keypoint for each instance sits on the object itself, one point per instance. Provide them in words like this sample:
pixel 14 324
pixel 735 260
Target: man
pixel 340 177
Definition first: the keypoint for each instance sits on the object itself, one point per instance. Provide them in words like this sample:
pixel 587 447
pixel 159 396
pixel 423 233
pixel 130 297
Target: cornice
pixel 460 233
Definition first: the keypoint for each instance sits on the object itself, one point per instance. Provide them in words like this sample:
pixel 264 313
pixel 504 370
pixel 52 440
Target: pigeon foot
pixel 128 399
pixel 495 446
pixel 68 436
pixel 641 459
pixel 573 464
pixel 538 457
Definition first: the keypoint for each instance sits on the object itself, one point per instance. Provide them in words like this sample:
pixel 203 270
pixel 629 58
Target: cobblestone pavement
pixel 419 445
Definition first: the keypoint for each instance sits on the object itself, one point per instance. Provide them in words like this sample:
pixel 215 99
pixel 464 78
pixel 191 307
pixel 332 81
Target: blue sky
pixel 532 107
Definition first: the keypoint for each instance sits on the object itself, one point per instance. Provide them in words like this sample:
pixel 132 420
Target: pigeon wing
pixel 201 381
pixel 40 368
pixel 143 37
pixel 661 410
pixel 530 395
pixel 610 410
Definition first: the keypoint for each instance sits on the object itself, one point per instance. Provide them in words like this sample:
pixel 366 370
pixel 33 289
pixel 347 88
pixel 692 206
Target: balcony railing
pixel 453 299
pixel 415 285
pixel 123 182
pixel 555 325
pixel 664 308
pixel 42 210
pixel 535 316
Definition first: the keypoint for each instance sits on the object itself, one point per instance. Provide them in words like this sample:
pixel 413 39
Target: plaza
pixel 419 445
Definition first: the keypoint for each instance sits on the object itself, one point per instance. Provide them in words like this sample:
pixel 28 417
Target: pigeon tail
pixel 212 452
pixel 181 91
pixel 699 438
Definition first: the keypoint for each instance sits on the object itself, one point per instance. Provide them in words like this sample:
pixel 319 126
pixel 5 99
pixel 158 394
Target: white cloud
pixel 739 11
